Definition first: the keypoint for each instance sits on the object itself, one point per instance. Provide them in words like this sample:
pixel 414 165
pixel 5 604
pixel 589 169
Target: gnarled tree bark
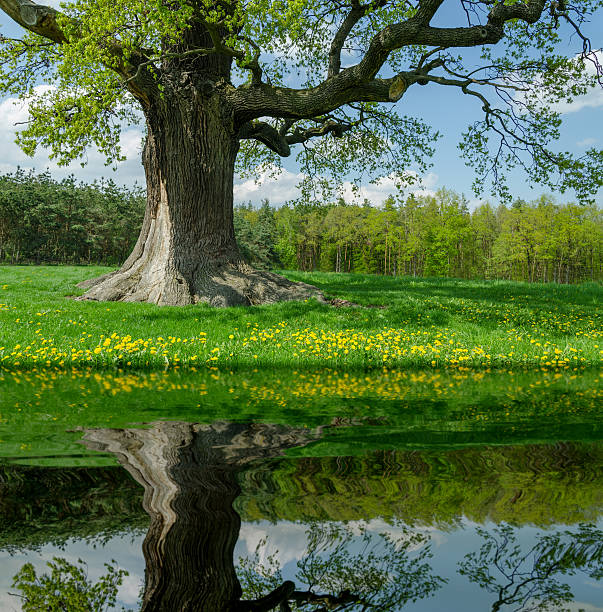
pixel 186 252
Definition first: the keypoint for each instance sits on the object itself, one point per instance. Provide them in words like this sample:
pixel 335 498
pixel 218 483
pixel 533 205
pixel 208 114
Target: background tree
pixel 208 76
pixel 45 221
pixel 257 234
pixel 539 241
pixel 485 227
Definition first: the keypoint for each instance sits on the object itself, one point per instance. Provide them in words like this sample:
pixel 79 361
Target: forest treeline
pixel 48 221
pixel 539 241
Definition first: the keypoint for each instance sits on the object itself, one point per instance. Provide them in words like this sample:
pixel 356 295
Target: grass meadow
pixel 400 322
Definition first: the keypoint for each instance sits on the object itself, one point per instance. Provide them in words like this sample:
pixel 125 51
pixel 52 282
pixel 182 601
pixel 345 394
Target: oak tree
pixel 221 82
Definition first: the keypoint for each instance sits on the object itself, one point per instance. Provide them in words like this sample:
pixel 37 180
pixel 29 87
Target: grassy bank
pixel 404 322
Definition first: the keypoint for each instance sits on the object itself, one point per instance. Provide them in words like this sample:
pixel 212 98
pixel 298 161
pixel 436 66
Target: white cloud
pixel 474 203
pixel 14 112
pixel 282 187
pixel 377 192
pixel 587 142
pixel 400 533
pixel 427 184
pixel 278 189
pixel 131 144
pixel 285 541
pixel 129 590
pixel 592 99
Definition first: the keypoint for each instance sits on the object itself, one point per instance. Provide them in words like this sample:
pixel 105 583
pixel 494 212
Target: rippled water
pixel 400 490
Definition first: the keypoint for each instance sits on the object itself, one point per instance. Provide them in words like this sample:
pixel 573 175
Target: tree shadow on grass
pixel 400 293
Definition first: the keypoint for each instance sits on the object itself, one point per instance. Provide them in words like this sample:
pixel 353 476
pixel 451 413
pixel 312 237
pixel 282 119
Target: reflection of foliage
pixel 527 484
pixel 51 505
pixel 67 588
pixel 529 580
pixel 384 572
pixel 259 576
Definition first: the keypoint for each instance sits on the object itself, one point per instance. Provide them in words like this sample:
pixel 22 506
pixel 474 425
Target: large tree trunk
pixel 189 474
pixel 186 252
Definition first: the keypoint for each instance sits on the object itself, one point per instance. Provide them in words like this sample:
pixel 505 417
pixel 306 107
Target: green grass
pixel 425 323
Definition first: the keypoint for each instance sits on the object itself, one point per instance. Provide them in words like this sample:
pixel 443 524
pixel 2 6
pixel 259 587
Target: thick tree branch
pixel 252 64
pixel 336 128
pixel 42 20
pixel 417 31
pixel 356 13
pixel 358 83
pixel 327 599
pixel 286 125
pixel 266 134
pixel 270 601
pixel 34 17
pixel 279 141
pixel 352 18
pixel 296 104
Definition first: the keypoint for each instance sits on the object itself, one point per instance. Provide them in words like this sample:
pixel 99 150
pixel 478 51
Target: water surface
pixel 394 489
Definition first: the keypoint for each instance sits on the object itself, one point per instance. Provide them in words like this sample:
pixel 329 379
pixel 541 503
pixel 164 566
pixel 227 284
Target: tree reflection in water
pixel 529 579
pixel 384 573
pixel 189 474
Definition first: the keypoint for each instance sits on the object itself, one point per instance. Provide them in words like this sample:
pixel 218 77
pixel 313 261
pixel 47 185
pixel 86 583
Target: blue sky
pixel 445 109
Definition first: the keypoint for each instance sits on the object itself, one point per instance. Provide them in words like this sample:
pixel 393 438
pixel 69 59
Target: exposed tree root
pixel 223 285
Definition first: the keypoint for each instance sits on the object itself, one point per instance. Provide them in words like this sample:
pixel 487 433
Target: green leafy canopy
pixel 503 56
